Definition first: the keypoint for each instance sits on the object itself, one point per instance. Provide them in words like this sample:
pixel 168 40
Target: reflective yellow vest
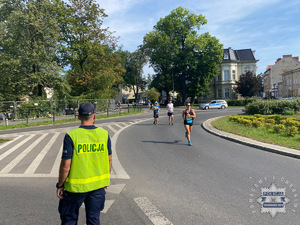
pixel 90 163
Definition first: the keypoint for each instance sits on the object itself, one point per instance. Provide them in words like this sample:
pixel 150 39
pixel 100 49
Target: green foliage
pixel 240 102
pixel 133 64
pixel 292 131
pixel 90 51
pixel 279 128
pixel 177 52
pixel 152 94
pixel 29 39
pixel 271 121
pixel 276 123
pixel 272 107
pixel 269 125
pixel 257 123
pixel 288 112
pixel 248 85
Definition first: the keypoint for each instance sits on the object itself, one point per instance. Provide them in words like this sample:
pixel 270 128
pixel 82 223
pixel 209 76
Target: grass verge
pixel 260 134
pixel 3 140
pixel 24 125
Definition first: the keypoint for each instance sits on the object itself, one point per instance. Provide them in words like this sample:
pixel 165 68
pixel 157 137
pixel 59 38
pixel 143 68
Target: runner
pixel 170 108
pixel 188 116
pixel 155 108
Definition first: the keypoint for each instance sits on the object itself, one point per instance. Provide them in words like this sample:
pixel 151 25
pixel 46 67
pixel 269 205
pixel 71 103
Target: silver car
pixel 215 104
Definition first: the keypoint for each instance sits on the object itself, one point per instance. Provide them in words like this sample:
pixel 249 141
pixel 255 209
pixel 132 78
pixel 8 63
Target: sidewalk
pixel 250 142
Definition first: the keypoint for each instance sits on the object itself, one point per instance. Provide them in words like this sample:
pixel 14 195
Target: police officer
pixel 84 172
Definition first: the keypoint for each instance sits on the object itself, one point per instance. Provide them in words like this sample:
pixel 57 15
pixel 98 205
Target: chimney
pixel 286 56
pixel 296 57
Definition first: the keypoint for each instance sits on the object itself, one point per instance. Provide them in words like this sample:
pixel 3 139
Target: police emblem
pixel 273 200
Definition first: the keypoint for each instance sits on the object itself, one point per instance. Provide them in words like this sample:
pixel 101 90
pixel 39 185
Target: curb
pixel 250 142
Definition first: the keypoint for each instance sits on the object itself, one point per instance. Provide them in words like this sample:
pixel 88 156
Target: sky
pixel 270 27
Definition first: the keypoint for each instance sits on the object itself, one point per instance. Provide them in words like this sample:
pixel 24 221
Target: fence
pixel 25 110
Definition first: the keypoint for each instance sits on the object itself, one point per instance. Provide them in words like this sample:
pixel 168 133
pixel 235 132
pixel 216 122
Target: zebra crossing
pixel 38 154
pixel 28 153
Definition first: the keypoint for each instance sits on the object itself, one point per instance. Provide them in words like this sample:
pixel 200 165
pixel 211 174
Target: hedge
pixel 240 102
pixel 269 107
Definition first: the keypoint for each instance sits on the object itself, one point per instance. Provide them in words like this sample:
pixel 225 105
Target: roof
pixel 238 55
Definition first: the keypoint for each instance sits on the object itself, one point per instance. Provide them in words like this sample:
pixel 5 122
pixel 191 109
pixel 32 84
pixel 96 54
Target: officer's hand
pixel 59 192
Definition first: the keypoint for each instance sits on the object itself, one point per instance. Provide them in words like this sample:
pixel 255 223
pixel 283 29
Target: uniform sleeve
pixel 109 146
pixel 67 148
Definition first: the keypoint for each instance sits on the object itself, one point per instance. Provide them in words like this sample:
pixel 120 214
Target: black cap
pixel 86 109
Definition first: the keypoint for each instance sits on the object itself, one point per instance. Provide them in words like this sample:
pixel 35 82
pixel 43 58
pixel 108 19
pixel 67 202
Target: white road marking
pixel 111 128
pixel 107 205
pixel 115 188
pixel 9 142
pixel 36 162
pixel 118 125
pixel 55 168
pixel 13 163
pixel 16 147
pixel 156 217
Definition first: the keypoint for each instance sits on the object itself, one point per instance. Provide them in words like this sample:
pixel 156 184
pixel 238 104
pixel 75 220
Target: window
pixel 219 93
pixel 233 74
pixel 226 74
pixel 219 77
pixel 225 55
pixel 226 93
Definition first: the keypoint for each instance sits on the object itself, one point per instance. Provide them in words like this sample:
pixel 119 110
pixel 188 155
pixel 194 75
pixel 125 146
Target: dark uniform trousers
pixel 71 202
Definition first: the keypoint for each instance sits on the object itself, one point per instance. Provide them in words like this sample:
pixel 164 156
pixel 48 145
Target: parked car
pixel 215 104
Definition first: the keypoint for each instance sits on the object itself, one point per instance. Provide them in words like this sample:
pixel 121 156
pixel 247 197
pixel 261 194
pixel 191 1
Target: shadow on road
pixel 177 142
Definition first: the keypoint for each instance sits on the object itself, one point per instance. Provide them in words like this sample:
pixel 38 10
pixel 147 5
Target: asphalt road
pixel 157 178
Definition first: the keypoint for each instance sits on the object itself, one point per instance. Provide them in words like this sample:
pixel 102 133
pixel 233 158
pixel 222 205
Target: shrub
pixel 271 121
pixel 261 119
pixel 289 112
pixel 240 102
pixel 292 122
pixel 269 125
pixel 279 128
pixel 272 107
pixel 233 118
pixel 292 131
pixel 277 118
pixel 246 122
pixel 257 124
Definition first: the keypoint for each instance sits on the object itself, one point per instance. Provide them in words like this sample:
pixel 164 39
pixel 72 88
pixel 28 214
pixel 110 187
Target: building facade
pixel 273 75
pixel 290 85
pixel 234 64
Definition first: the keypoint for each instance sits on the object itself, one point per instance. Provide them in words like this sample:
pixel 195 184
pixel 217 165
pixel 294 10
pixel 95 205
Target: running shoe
pixel 172 124
pixel 190 143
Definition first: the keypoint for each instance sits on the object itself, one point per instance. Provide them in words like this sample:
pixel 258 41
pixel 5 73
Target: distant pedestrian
pixel 188 116
pixel 155 109
pixel 84 172
pixel 149 104
pixel 119 105
pixel 170 108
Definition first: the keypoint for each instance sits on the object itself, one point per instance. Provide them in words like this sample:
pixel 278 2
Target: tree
pixel 95 66
pixel 29 39
pixel 179 54
pixel 133 64
pixel 248 85
pixel 152 94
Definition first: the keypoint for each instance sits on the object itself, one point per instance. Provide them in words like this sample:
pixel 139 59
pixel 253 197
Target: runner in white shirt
pixel 170 108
